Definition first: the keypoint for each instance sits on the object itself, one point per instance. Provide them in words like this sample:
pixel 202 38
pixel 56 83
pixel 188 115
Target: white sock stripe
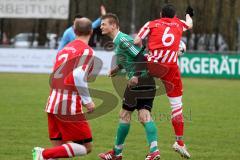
pixel 125 122
pixel 175 100
pixel 68 150
pixel 119 146
pixel 177 108
pixel 176 114
pixel 154 144
pixel 78 149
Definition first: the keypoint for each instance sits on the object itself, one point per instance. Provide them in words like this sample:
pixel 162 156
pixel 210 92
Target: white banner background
pixel 54 9
pixel 40 60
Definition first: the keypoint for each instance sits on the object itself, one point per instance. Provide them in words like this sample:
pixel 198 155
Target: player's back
pixel 164 37
pixel 72 62
pixel 165 33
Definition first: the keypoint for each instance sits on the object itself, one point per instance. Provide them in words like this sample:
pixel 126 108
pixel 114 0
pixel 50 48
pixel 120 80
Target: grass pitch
pixel 211 110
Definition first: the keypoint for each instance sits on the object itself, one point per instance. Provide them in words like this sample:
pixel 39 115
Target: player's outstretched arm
pixel 103 10
pixel 189 21
pixel 97 22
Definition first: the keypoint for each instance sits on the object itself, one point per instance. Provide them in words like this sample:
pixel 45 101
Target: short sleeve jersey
pixel 164 33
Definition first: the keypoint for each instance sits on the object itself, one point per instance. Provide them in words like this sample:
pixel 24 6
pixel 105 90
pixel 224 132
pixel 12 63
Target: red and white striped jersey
pixel 164 37
pixel 69 88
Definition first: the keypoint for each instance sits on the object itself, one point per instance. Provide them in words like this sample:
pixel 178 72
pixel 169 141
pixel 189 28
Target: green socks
pixel 122 132
pixel 151 132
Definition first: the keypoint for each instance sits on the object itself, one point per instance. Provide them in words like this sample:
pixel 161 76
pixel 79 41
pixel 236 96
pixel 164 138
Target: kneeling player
pixel 69 131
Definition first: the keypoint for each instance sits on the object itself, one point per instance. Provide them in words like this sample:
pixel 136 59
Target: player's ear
pixel 114 26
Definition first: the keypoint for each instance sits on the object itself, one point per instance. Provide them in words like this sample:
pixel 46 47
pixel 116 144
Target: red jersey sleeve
pixel 185 26
pixel 144 31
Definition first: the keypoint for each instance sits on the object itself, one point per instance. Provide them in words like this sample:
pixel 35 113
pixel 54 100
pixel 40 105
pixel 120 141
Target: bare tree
pixel 232 25
pixel 2 29
pixel 34 26
pixel 42 32
pixel 217 21
pixel 211 16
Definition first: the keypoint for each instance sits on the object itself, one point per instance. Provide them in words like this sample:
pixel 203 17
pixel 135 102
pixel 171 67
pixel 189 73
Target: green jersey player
pixel 126 54
pixel 139 84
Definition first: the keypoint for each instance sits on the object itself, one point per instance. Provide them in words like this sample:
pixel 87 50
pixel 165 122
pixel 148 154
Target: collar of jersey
pixel 116 36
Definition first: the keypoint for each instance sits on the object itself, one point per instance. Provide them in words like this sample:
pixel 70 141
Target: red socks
pixel 178 124
pixel 64 151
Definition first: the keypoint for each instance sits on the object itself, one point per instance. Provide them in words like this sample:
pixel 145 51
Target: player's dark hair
pixel 78 16
pixel 113 19
pixel 168 11
pixel 82 27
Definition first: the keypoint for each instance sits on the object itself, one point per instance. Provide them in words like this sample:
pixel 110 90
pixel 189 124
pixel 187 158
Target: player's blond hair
pixel 112 18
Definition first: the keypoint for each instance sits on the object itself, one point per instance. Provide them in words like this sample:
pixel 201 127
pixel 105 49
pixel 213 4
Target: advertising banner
pixel 41 60
pixel 210 65
pixel 44 9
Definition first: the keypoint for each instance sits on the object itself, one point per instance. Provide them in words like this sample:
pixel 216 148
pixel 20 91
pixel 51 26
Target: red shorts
pixel 68 130
pixel 170 76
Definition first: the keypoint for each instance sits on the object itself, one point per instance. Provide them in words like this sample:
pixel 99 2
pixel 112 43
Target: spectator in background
pixel 69 34
pixel 5 40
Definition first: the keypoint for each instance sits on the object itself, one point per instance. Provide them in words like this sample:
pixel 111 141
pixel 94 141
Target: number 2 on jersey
pixel 58 73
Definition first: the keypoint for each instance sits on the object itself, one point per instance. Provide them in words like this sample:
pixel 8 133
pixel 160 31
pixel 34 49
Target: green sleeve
pixel 127 44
